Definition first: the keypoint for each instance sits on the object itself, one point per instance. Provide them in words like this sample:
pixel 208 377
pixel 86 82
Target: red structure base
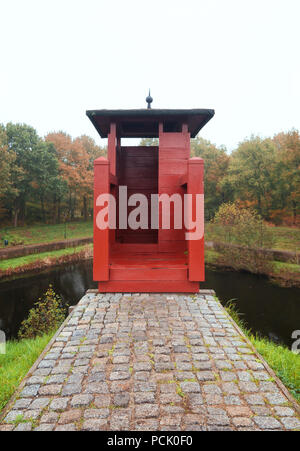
pixel 148 286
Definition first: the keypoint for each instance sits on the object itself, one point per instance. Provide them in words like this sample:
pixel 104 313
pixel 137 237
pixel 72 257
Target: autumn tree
pixel 94 151
pixel 287 186
pixel 250 173
pixel 216 163
pixel 46 182
pixel 75 166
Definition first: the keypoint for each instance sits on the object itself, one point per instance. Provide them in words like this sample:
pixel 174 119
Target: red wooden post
pixel 195 187
pixel 111 148
pixel 101 237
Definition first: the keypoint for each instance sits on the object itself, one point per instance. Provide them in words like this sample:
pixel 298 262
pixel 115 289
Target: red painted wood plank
pixel 172 246
pixel 111 148
pixel 135 248
pixel 174 140
pixel 196 247
pixel 172 166
pixel 146 286
pixel 101 237
pixel 147 274
pixel 172 235
pixel 174 152
pixel 168 181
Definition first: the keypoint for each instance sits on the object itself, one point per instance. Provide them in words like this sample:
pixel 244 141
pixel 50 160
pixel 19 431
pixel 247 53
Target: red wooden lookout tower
pixel 149 202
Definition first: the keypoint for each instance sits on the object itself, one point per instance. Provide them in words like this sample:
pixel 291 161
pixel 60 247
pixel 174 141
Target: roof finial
pixel 149 100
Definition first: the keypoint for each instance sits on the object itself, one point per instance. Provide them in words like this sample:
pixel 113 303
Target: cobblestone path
pixel 150 362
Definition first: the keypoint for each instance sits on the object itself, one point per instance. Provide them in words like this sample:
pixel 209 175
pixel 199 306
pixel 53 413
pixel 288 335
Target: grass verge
pixel 284 238
pixel 18 262
pixel 45 233
pixel 14 365
pixel 284 362
pixel 286 274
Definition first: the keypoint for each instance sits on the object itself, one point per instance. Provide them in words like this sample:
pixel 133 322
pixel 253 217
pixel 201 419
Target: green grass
pixel 21 261
pixel 280 267
pixel 284 238
pixel 211 256
pixel 19 357
pixel 284 362
pixel 45 233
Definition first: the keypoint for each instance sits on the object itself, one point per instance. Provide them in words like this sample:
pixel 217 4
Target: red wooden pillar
pixel 101 237
pixel 195 187
pixel 111 147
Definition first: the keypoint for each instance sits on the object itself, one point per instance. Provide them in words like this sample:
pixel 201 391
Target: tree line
pixel 46 179
pixel 50 179
pixel 261 173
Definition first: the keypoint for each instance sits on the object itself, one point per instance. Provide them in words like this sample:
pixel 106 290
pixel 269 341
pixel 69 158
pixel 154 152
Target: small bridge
pixel 168 362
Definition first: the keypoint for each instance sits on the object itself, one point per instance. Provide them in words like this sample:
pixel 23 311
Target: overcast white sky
pixel 240 57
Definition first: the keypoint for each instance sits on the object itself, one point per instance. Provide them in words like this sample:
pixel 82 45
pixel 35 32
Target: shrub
pixel 242 237
pixel 46 316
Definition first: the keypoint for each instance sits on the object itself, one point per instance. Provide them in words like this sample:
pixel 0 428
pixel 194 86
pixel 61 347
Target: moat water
pixel 266 308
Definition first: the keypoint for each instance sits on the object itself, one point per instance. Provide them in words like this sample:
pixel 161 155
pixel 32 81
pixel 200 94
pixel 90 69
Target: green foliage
pixel 284 362
pixel 216 163
pixel 47 315
pixel 250 173
pixel 243 236
pixel 19 357
pixel 149 142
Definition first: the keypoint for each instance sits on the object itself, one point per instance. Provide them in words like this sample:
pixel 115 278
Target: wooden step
pixel 148 274
pixel 148 286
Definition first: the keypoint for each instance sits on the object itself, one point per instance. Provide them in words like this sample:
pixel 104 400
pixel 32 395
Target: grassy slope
pixel 21 261
pixel 284 362
pixel 285 238
pixel 279 268
pixel 45 233
pixel 17 361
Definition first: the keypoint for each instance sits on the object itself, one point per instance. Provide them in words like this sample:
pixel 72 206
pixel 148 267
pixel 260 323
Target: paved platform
pixel 150 362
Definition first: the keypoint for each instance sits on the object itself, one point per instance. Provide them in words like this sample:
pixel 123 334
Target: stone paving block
pixel 146 425
pixel 22 403
pixel 23 427
pixel 96 388
pixel 119 421
pixel 291 423
pixel 59 404
pixel 190 387
pixel 70 416
pixel 205 376
pixel 96 413
pixel 50 389
pixel 30 391
pixel 94 425
pixel 147 411
pixel 102 400
pixel 81 400
pixel 71 389
pixel 121 399
pixel 267 423
pixel 65 428
pixel 50 417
